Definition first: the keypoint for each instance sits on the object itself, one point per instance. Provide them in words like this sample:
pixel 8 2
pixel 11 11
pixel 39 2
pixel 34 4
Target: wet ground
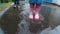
pixel 9 21
pixel 16 21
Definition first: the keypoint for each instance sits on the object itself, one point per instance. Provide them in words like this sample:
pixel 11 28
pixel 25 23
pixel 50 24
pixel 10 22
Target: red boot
pixel 31 11
pixel 37 12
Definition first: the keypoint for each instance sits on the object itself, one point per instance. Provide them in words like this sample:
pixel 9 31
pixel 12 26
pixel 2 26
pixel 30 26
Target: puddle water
pixel 51 15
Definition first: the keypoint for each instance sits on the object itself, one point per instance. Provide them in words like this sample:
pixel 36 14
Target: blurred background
pixel 14 20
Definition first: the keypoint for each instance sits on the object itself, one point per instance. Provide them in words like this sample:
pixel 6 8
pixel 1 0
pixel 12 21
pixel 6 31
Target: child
pixel 32 4
pixel 16 2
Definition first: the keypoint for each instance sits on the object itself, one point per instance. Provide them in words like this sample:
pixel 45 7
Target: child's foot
pixel 37 16
pixel 31 15
pixel 14 6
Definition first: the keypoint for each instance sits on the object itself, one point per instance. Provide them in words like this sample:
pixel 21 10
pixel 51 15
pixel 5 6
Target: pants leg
pixel 32 3
pixel 38 5
pixel 31 7
pixel 18 2
pixel 14 1
pixel 38 8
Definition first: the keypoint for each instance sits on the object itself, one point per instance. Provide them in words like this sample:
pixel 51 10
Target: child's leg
pixel 38 8
pixel 32 3
pixel 37 11
pixel 18 2
pixel 31 11
pixel 31 7
pixel 38 5
pixel 14 1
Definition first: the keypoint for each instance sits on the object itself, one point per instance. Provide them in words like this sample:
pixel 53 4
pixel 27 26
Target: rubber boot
pixel 37 12
pixel 31 11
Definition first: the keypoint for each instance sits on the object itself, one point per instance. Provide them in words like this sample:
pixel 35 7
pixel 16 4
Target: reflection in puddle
pixel 1 31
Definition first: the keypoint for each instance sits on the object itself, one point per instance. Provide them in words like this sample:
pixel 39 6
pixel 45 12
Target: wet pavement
pixel 3 8
pixel 16 21
pixel 3 11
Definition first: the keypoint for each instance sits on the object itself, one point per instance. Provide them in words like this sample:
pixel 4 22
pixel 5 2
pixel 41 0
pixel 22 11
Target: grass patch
pixel 4 5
